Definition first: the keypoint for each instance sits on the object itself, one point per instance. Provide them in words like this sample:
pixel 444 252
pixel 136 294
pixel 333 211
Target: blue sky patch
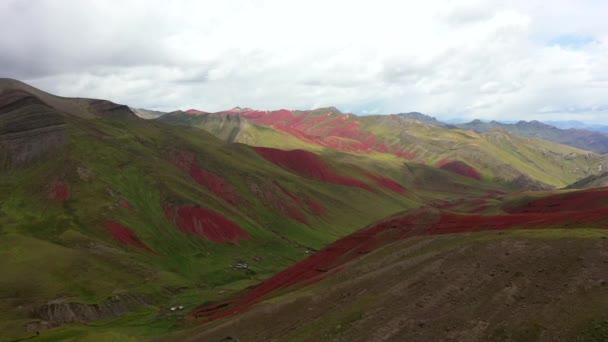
pixel 572 41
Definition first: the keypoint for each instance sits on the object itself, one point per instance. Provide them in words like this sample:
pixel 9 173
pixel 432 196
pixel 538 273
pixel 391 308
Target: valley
pixel 290 225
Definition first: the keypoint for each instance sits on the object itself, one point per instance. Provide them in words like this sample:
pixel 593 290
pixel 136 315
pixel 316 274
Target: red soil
pixel 342 132
pixel 125 204
pixel 405 154
pixel 307 271
pixel 294 213
pixel 125 235
pixel 290 194
pixel 204 222
pixel 420 222
pixel 60 191
pixel 274 196
pixel 387 183
pixel 591 199
pixel 459 167
pixel 382 148
pixel 195 112
pixel 214 183
pixel 309 165
pixel 289 206
pixel 315 207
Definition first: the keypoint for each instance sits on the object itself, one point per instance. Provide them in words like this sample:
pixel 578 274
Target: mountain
pixel 496 155
pixel 103 214
pixel 422 118
pixel 593 181
pixel 147 114
pixel 580 138
pixel 302 225
pixel 578 125
pixel 415 277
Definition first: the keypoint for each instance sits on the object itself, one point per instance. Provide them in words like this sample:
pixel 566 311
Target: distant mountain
pixel 579 125
pixel 593 181
pixel 423 118
pixel 149 224
pixel 103 213
pixel 519 161
pixel 147 114
pixel 454 121
pixel 580 138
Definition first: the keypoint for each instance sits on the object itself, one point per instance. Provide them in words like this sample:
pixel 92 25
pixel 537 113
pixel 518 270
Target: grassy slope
pixel 237 129
pixel 502 156
pixel 593 181
pixel 495 154
pixel 583 139
pixel 56 249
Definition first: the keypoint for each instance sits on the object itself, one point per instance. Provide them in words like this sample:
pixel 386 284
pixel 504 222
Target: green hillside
pixel 90 207
pixel 114 228
pixel 500 156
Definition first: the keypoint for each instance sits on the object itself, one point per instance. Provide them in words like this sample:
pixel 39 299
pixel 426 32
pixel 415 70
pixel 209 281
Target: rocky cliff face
pixel 117 305
pixel 28 128
pixel 593 181
pixel 108 109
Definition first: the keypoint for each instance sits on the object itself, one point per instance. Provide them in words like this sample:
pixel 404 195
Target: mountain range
pixel 581 138
pixel 292 225
pixel 578 125
pixel 499 154
pixel 572 133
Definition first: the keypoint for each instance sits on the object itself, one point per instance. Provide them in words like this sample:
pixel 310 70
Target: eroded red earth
pixel 386 183
pixel 207 223
pixel 341 132
pixel 459 167
pixel 125 204
pixel 276 197
pixel 212 182
pixel 582 209
pixel 195 112
pixel 309 165
pixel 125 235
pixel 590 199
pixel 60 191
pixel 313 206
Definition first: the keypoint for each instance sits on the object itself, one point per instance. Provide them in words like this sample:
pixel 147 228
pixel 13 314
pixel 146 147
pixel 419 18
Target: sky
pixel 493 60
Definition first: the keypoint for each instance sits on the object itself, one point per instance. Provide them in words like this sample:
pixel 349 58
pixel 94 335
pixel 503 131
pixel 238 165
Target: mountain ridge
pixel 103 203
pixel 149 228
pixel 584 139
pixel 400 136
pixel 591 140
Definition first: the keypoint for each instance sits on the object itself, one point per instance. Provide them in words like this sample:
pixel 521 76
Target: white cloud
pixel 463 59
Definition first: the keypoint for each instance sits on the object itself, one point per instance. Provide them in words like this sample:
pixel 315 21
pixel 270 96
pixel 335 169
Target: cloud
pixel 465 59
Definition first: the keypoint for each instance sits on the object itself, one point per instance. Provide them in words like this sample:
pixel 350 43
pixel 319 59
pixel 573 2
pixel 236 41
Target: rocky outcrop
pixel 28 128
pixel 525 182
pixel 108 109
pixel 117 305
pixel 146 113
pixel 593 181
